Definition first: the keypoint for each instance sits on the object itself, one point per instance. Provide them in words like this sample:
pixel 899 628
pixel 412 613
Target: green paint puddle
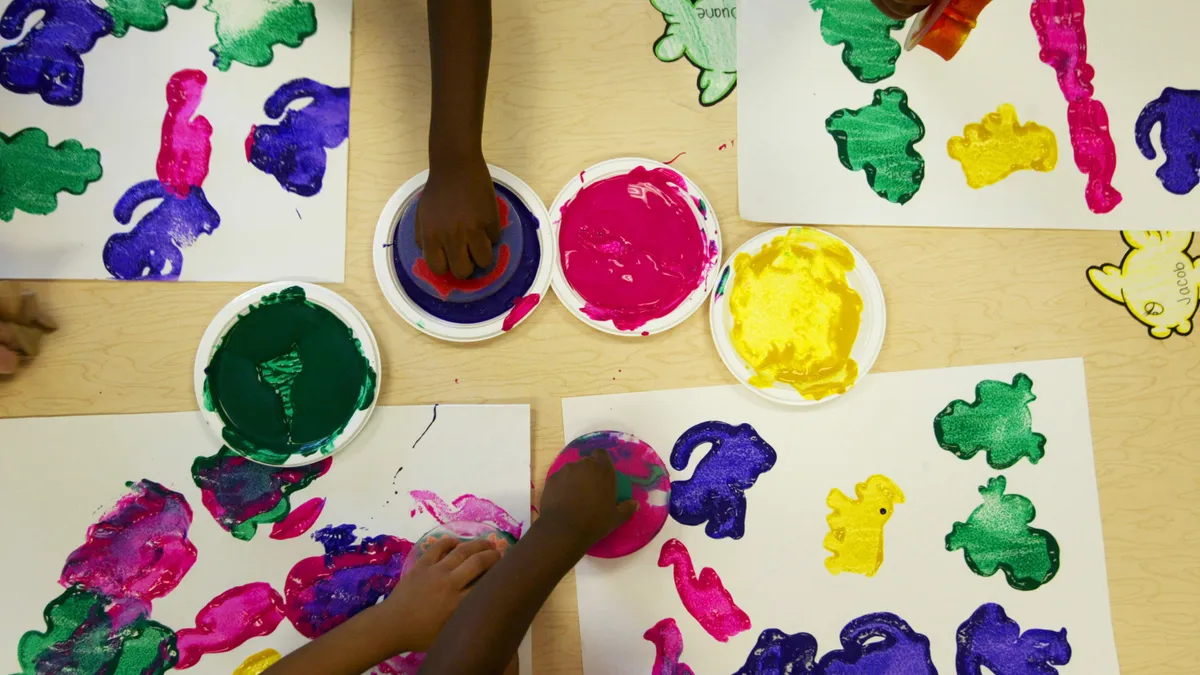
pixel 997 536
pixel 880 141
pixel 705 32
pixel 149 15
pixel 998 422
pixel 248 30
pixel 868 48
pixel 32 173
pixel 287 378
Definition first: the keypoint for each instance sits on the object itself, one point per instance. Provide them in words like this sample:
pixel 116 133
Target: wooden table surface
pixel 573 83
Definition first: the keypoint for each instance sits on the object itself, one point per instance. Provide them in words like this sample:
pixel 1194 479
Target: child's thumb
pixel 625 510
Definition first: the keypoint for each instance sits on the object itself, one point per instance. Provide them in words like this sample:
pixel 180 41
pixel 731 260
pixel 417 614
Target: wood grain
pixel 574 83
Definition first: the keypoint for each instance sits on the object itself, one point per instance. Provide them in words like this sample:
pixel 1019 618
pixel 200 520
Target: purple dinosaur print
pixel 716 492
pixel 989 639
pixel 48 59
pixel 1178 111
pixel 294 150
pixel 879 644
pixel 152 249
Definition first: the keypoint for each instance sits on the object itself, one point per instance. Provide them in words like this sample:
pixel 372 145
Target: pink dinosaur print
pixel 186 137
pixel 705 598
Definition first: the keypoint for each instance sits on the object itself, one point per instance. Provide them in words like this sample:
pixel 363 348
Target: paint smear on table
pixel 520 310
pixel 186 137
pixel 703 596
pixel 998 423
pixel 1059 25
pixel 48 60
pixel 256 664
pixel 300 520
pixel 632 247
pixel 35 172
pixel 795 317
pixel 147 15
pixel 229 620
pixel 999 145
pixel 324 591
pixel 139 551
pixel 466 507
pixel 1157 281
pixel 868 49
pixel 1177 111
pixel 248 30
pixel 641 477
pixel 880 140
pixel 856 525
pixel 287 378
pixel 668 648
pixel 294 151
pixel 991 640
pixel 241 494
pixel 997 536
pixel 950 30
pixel 715 495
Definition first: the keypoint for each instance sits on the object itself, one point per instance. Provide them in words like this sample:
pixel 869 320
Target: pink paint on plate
pixel 704 597
pixel 632 246
pixel 229 620
pixel 668 648
pixel 521 309
pixel 300 520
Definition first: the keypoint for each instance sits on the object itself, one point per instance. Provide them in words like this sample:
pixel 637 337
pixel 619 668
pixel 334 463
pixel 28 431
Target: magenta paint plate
pixel 638 246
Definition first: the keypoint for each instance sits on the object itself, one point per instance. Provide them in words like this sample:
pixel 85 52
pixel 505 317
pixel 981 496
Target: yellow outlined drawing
pixel 1157 281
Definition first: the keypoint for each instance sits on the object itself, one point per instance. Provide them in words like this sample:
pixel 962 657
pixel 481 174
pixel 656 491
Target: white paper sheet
pixel 790 81
pixel 62 474
pixel 776 572
pixel 265 233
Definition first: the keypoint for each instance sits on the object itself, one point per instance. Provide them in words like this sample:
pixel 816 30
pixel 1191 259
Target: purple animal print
pixel 294 150
pixel 777 653
pixel 152 249
pixel 879 644
pixel 989 639
pixel 1178 112
pixel 47 60
pixel 716 492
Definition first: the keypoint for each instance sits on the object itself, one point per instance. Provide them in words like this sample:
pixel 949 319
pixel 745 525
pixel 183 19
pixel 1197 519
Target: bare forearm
pixel 485 631
pixel 352 648
pixel 460 46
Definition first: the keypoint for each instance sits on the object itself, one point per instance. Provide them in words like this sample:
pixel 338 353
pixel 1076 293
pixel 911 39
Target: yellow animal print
pixel 998 146
pixel 1157 281
pixel 856 525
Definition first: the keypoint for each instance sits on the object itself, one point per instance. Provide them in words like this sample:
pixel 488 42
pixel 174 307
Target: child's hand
pixel 580 501
pixel 457 217
pixel 425 597
pixel 22 324
pixel 901 9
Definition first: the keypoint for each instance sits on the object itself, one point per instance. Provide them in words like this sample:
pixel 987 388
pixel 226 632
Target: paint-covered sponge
pixel 641 476
pixel 486 294
pixel 462 530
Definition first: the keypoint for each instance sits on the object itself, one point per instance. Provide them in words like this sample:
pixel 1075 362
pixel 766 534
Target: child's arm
pixel 579 507
pixel 407 621
pixel 457 217
pixel 901 9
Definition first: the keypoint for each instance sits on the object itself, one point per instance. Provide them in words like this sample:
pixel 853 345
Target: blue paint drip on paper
pixel 716 492
pixel 153 249
pixel 989 639
pixel 294 151
pixel 1178 113
pixel 48 60
pixel 336 539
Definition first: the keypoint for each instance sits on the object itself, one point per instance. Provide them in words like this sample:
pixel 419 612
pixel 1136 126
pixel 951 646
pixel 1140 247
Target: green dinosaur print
pixel 880 140
pixel 32 173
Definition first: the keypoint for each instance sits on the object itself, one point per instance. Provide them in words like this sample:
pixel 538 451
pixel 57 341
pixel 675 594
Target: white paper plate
pixel 318 295
pixel 385 270
pixel 866 346
pixel 707 221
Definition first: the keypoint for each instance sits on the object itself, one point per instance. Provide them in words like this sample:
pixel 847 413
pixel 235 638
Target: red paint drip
pixel 186 138
pixel 631 246
pixel 521 308
pixel 229 620
pixel 704 597
pixel 300 520
pixel 672 161
pixel 250 141
pixel 446 283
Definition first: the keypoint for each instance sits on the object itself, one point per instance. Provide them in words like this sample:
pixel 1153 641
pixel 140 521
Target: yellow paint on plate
pixel 795 317
pixel 255 664
pixel 856 525
pixel 1000 145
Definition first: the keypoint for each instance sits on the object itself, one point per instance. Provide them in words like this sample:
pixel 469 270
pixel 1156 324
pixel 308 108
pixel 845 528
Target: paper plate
pixel 706 219
pixel 318 295
pixel 866 347
pixel 419 318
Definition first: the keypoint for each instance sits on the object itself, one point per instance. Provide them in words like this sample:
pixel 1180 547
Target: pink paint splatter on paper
pixel 467 507
pixel 521 308
pixel 1060 29
pixel 229 620
pixel 705 598
pixel 300 520
pixel 668 647
pixel 405 664
pixel 186 137
pixel 137 552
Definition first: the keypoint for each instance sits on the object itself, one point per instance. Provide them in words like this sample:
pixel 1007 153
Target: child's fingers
pixel 463 552
pixel 626 509
pixel 440 549
pixel 477 564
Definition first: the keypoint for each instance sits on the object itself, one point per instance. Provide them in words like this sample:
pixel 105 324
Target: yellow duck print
pixel 856 525
pixel 1157 281
pixel 999 145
